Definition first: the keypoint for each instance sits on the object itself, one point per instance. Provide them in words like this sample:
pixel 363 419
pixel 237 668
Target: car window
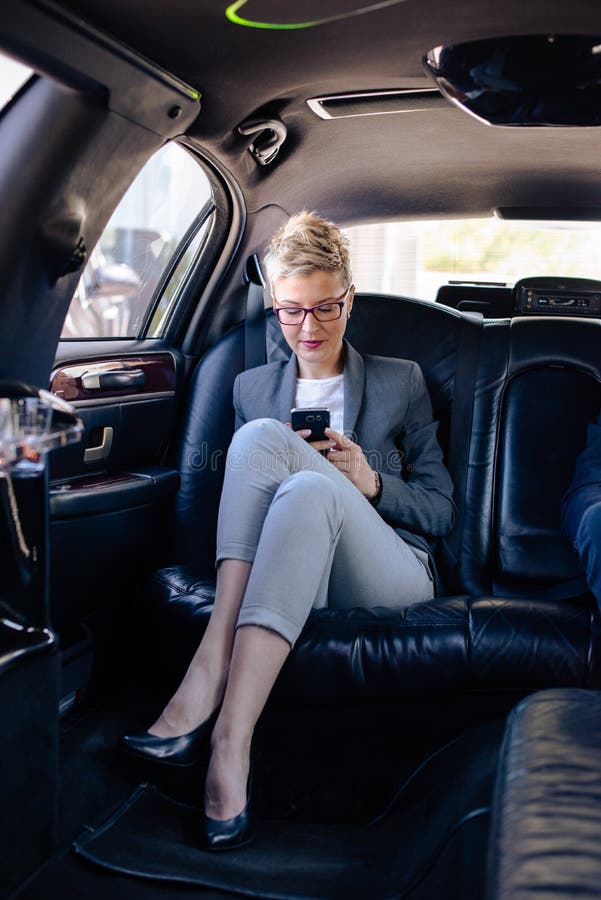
pixel 12 76
pixel 136 270
pixel 415 258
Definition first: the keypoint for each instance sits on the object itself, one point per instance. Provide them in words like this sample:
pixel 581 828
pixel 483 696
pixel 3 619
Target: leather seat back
pixel 200 449
pixel 477 550
pixel 553 391
pixel 539 385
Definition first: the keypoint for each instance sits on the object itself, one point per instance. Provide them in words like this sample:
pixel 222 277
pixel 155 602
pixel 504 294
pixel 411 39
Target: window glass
pixel 12 76
pixel 131 264
pixel 183 268
pixel 415 258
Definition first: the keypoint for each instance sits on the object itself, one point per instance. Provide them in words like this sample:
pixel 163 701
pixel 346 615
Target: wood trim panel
pixel 159 371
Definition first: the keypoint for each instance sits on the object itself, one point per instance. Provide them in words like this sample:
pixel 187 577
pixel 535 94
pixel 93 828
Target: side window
pixel 13 76
pixel 132 278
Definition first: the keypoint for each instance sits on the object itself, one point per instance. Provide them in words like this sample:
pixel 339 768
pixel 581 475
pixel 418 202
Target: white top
pixel 323 392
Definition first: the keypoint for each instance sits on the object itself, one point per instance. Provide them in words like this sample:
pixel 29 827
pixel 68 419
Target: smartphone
pixel 315 419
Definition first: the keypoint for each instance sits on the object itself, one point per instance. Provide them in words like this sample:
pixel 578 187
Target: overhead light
pixel 376 103
pixel 544 79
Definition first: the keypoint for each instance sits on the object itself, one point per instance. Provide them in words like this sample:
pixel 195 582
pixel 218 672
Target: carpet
pixel 154 836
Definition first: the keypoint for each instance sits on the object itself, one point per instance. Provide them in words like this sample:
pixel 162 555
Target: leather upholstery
pixel 476 561
pixel 537 386
pixel 492 302
pixel 546 818
pixel 552 392
pixel 450 644
pixel 200 450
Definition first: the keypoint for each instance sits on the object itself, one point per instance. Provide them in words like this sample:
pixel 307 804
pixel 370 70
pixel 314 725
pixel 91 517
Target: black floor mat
pixel 153 836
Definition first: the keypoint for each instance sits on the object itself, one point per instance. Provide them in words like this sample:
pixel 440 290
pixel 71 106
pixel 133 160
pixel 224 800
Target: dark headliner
pixel 414 163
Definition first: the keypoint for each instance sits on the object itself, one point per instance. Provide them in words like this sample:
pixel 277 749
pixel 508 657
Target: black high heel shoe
pixel 228 834
pixel 183 750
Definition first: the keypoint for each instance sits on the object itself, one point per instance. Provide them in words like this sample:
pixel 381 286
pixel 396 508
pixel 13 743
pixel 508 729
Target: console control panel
pixel 542 302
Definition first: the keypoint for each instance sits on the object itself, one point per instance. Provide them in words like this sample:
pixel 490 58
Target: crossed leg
pixel 238 669
pixel 282 514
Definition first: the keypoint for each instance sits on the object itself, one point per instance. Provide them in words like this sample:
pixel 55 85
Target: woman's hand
pixel 349 458
pixel 302 432
pixel 305 433
pixel 321 446
pixel 346 456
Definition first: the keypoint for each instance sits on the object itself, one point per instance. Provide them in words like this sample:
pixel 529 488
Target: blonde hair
pixel 307 243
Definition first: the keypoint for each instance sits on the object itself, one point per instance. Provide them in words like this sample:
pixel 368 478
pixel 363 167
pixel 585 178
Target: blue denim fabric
pixel 582 525
pixel 581 509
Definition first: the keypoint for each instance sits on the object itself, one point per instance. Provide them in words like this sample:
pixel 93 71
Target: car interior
pixel 148 153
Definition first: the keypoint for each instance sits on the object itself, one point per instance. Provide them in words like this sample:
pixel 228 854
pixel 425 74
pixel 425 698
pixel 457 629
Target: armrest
pixel 108 492
pixel 546 817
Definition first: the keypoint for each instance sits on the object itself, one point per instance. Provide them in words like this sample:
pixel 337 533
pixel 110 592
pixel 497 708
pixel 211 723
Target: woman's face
pixel 318 345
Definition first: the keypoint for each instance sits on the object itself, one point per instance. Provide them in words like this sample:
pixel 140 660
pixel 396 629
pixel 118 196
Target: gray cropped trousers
pixel 313 538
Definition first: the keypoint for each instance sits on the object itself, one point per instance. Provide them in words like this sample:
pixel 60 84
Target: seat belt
pixel 462 414
pixel 254 322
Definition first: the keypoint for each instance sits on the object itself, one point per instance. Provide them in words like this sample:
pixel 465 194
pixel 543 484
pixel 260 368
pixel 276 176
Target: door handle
pixel 114 378
pixel 102 450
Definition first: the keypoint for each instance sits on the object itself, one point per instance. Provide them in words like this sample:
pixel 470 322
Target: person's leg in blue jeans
pixel 582 525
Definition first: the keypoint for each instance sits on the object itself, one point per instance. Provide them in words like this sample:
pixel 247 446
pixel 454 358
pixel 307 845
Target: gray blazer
pixel 387 411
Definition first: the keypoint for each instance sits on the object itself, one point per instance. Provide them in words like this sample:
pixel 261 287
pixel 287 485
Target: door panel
pixel 97 379
pixel 110 494
pixel 118 365
pixel 125 424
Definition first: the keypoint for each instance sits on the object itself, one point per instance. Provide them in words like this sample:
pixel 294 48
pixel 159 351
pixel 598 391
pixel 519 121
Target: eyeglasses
pixel 328 311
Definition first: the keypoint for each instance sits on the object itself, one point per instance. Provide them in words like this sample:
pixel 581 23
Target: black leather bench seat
pixel 450 644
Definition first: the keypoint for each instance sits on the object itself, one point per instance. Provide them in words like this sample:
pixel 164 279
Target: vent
pixel 377 103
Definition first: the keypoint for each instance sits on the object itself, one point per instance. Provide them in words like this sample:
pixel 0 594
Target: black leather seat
pixel 449 645
pixel 546 817
pixel 537 386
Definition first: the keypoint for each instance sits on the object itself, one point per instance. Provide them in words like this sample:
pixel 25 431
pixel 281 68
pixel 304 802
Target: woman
pixel 298 529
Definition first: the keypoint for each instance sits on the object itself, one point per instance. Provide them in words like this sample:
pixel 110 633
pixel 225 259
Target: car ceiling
pixel 418 163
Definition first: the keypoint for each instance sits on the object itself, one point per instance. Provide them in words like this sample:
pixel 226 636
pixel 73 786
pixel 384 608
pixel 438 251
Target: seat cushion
pixel 447 645
pixel 546 821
